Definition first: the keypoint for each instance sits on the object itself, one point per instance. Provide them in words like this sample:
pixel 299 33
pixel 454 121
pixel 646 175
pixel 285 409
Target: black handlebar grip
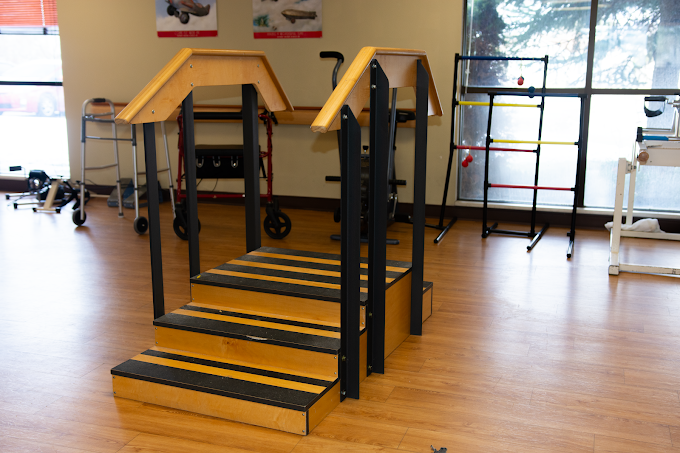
pixel 655 99
pixel 337 55
pixel 398 182
pixel 99 100
pixel 333 178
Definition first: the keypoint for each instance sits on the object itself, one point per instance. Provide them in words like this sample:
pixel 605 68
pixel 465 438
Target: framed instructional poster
pixel 275 19
pixel 186 18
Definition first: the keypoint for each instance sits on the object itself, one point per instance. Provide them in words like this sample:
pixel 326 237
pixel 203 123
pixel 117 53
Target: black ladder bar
pixel 191 192
pixel 377 221
pixel 154 219
pixel 350 292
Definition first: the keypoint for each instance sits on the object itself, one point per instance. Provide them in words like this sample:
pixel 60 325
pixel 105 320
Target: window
pixel 32 121
pixel 636 52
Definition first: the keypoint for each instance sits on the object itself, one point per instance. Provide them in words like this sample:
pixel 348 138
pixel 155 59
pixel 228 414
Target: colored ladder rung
pixel 482 148
pixel 475 57
pixel 533 142
pixel 496 104
pixel 511 186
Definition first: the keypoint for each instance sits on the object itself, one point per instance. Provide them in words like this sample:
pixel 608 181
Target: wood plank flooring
pixel 524 352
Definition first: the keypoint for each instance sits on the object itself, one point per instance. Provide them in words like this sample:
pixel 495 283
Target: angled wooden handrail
pixel 399 66
pixel 192 68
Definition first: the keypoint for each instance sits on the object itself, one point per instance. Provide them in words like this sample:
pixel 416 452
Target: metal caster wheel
pixel 76 217
pixel 140 225
pixel 278 227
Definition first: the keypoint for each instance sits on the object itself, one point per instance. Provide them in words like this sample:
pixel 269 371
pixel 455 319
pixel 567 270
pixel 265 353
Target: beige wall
pixel 110 49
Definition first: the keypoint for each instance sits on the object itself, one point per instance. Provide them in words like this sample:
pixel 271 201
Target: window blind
pixel 28 17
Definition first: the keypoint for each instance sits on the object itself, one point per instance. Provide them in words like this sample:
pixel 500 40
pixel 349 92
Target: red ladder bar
pixel 482 148
pixel 510 186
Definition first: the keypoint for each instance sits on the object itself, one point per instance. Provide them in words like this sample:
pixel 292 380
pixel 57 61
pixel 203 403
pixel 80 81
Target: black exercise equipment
pixel 395 116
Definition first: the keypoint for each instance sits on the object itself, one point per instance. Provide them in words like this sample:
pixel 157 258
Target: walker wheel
pixel 181 228
pixel 140 225
pixel 76 217
pixel 35 210
pixel 280 231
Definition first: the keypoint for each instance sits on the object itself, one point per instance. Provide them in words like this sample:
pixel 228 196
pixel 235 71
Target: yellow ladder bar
pixel 496 104
pixel 534 142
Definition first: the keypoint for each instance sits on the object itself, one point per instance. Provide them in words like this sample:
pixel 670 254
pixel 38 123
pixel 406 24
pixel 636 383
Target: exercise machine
pixel 653 147
pixel 395 116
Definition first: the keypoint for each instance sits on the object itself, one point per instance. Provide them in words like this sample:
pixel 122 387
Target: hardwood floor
pixel 524 352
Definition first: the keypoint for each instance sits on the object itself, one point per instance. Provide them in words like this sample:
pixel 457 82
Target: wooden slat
pixel 301 116
pixel 191 68
pixel 399 66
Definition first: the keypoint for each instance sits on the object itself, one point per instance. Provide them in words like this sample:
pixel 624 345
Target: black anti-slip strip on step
pixel 282 274
pixel 250 333
pixel 266 286
pixel 242 369
pixel 307 265
pixel 288 322
pixel 325 256
pixel 217 385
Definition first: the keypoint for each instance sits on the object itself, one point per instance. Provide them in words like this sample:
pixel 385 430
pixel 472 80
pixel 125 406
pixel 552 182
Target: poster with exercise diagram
pixel 275 19
pixel 186 18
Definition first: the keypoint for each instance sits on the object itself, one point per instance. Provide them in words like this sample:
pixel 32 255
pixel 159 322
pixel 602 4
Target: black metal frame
pixel 251 155
pixel 585 93
pixel 535 237
pixel 487 230
pixel 350 146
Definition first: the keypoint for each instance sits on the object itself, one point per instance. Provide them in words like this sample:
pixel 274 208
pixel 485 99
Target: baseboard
pixel 561 219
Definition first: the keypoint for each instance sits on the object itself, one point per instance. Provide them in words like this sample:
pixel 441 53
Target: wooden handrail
pixel 353 90
pixel 192 68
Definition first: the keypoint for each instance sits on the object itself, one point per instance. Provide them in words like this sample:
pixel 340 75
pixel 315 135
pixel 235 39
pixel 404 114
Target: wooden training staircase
pixel 277 338
pixel 259 342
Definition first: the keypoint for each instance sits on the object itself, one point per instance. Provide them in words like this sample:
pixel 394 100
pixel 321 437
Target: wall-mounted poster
pixel 186 18
pixel 274 19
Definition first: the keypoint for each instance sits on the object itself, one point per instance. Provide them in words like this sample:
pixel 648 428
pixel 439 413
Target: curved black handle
pixel 340 59
pixel 337 55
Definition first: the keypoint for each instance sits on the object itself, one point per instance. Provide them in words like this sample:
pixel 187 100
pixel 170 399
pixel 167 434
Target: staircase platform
pixel 263 396
pixel 259 342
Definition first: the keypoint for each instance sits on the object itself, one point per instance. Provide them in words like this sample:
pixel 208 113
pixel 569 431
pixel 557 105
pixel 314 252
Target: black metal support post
pixel 452 147
pixel 485 228
pixel 419 177
pixel 377 212
pixel 251 159
pixel 579 169
pixel 190 172
pixel 154 219
pixel 350 293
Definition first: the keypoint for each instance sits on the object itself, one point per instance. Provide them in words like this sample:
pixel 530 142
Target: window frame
pixel 587 91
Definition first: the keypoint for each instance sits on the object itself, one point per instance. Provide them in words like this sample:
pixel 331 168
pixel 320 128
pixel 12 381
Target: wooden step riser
pixel 292 421
pixel 296 308
pixel 256 352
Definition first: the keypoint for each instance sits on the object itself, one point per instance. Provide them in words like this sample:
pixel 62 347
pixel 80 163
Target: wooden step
pixel 266 340
pixel 239 391
pixel 286 282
